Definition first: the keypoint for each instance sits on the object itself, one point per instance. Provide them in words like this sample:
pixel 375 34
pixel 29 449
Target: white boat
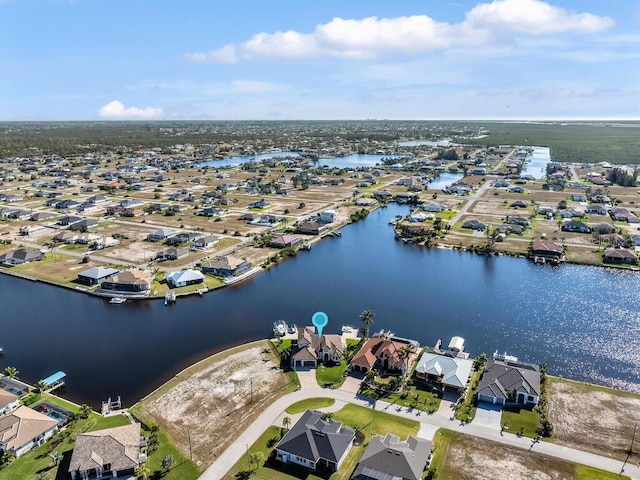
pixel 117 300
pixel 292 329
pixel 279 328
pixel 170 297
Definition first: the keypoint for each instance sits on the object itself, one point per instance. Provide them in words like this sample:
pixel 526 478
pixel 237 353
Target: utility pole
pixel 251 401
pixel 633 437
pixel 190 452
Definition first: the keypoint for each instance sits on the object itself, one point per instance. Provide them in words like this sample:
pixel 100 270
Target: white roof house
pixel 453 371
pixel 184 277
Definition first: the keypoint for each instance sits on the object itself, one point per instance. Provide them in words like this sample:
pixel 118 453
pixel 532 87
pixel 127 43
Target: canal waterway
pixel 353 160
pixel 583 321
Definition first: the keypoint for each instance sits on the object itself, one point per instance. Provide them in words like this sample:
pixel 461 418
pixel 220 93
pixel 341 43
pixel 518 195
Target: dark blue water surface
pixel 583 321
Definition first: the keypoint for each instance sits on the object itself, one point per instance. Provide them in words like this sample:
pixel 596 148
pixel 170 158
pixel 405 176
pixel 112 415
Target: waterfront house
pixel 328 216
pixel 576 226
pixel 282 241
pixel 160 235
pixel 620 255
pixel 508 381
pixel 227 266
pixel 385 352
pixel 184 278
pixel 315 443
pixel 309 348
pixel 389 458
pixel 172 253
pixel 547 249
pixel 451 371
pixel 23 429
pixel 128 281
pixel 8 401
pixel 21 256
pixel 111 453
pixel 433 207
pixel 96 275
pixel 311 227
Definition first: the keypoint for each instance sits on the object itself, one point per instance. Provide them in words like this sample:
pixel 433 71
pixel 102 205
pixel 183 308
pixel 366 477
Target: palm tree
pixel 286 422
pixel 143 472
pixel 366 318
pixel 257 459
pixel 42 386
pixel 404 354
pixel 11 372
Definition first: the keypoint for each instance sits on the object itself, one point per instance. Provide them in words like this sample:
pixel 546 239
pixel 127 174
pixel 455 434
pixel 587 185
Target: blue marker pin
pixel 319 321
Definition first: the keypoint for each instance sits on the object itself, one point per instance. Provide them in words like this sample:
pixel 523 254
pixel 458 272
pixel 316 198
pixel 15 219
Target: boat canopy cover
pixel 51 379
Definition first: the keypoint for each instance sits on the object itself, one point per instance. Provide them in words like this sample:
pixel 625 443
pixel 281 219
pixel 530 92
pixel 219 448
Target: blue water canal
pixel 583 321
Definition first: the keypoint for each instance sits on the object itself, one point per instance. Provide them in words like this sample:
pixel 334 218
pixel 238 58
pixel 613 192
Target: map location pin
pixel 319 321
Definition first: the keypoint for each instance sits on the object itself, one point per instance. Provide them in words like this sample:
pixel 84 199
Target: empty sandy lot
pixel 593 418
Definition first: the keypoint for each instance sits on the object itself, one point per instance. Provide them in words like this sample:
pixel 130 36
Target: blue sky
pixel 329 59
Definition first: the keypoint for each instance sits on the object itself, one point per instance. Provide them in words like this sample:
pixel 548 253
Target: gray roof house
pixel 110 453
pixel 20 256
pixel 388 458
pixel 95 275
pixel 313 442
pixel 503 379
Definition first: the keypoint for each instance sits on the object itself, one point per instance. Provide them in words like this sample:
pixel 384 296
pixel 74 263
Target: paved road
pixel 428 425
pixel 472 200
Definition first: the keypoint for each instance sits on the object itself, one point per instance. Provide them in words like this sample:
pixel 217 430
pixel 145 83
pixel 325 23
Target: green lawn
pixel 331 377
pixel 350 415
pixel 38 460
pixel 441 442
pixel 589 473
pixel 310 404
pixel 466 410
pixel 520 420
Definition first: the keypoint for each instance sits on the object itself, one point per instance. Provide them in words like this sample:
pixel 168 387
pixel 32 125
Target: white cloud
pixel 115 110
pixel 373 37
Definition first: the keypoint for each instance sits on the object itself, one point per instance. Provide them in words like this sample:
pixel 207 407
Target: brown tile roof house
pixel 128 281
pixel 311 227
pixel 620 255
pixel 547 249
pixel 114 452
pixel 23 429
pixel 227 266
pixel 282 241
pixel 8 401
pixel 383 353
pixel 309 349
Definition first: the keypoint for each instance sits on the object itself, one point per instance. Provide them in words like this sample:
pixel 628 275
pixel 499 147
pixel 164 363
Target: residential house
pixel 474 225
pixel 212 212
pixel 172 253
pixel 206 241
pixel 20 214
pixel 579 198
pixel 623 215
pixel 131 203
pixel 21 256
pixel 620 255
pixel 389 458
pixel 65 204
pixel 328 216
pixel 259 204
pixel 452 372
pixel 433 207
pixel 128 281
pixel 595 210
pixel 37 216
pixel 385 352
pixel 227 266
pixel 83 224
pixel 111 453
pixel 69 220
pixel 315 443
pixel 547 249
pixel 604 227
pixel 24 428
pixel 309 348
pixel 516 190
pixel 519 204
pixel 282 241
pixel 8 401
pixel 576 226
pixel 161 235
pixel 184 278
pixel 507 381
pixel 96 275
pixel 311 227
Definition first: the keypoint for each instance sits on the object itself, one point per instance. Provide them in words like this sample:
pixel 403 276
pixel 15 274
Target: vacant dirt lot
pixel 471 458
pixel 212 399
pixel 594 418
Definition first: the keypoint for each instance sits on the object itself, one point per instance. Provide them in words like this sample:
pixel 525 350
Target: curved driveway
pixel 428 423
